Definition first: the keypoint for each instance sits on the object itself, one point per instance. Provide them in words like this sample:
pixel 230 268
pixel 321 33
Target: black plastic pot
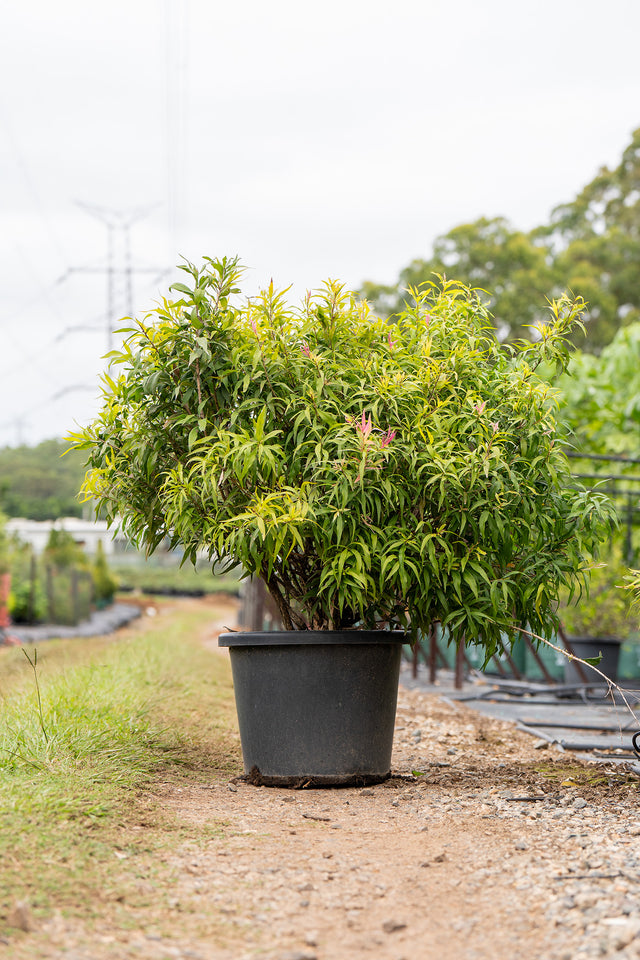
pixel 316 707
pixel 584 647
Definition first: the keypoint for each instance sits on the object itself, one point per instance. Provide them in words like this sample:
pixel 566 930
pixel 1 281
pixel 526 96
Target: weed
pixel 34 664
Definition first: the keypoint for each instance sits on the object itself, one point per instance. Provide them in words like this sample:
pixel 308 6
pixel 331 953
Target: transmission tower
pixel 119 269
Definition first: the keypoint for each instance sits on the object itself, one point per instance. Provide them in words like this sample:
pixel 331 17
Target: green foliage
pixel 104 584
pixel 600 403
pixel 63 552
pixel 604 610
pixel 600 396
pixel 597 237
pixel 27 602
pixel 4 546
pixel 39 482
pixel 371 473
pixel 590 246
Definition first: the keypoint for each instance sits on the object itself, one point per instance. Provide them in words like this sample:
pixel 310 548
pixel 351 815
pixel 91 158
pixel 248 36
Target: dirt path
pixel 454 864
pixel 497 850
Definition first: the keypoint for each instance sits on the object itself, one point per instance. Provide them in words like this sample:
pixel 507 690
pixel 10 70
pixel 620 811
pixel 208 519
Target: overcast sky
pixel 331 139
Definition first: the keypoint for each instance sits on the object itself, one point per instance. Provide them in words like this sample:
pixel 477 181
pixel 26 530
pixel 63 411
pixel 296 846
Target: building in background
pixel 86 533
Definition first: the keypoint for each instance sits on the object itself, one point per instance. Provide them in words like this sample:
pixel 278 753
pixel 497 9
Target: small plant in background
pixel 63 552
pixel 604 610
pixel 27 601
pixel 104 584
pixel 371 473
pixel 5 552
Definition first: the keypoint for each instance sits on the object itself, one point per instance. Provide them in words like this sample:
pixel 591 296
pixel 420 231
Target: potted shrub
pixel 378 475
pixel 599 621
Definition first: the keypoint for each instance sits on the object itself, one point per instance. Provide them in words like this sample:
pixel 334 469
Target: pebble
pixel 392 926
pixel 20 916
pixel 298 955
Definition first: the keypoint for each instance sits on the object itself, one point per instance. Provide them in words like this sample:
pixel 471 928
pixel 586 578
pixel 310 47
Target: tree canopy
pixel 590 248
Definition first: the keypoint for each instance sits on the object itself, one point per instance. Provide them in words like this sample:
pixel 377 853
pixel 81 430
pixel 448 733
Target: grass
pixel 565 773
pixel 78 765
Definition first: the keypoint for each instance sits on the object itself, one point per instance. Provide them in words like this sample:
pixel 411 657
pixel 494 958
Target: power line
pixel 22 419
pixel 176 100
pixel 23 167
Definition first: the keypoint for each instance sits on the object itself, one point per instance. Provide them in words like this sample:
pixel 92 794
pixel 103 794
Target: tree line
pixel 590 247
pixel 41 482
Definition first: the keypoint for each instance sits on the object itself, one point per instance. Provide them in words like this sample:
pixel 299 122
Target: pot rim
pixel 286 638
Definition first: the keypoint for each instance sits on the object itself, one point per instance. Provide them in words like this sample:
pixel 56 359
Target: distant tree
pixel 596 240
pixel 488 254
pixel 39 482
pixel 590 248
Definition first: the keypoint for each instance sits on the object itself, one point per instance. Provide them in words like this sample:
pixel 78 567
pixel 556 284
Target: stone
pixel 20 916
pixel 579 803
pixel 392 926
pixel 623 932
pixel 298 955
